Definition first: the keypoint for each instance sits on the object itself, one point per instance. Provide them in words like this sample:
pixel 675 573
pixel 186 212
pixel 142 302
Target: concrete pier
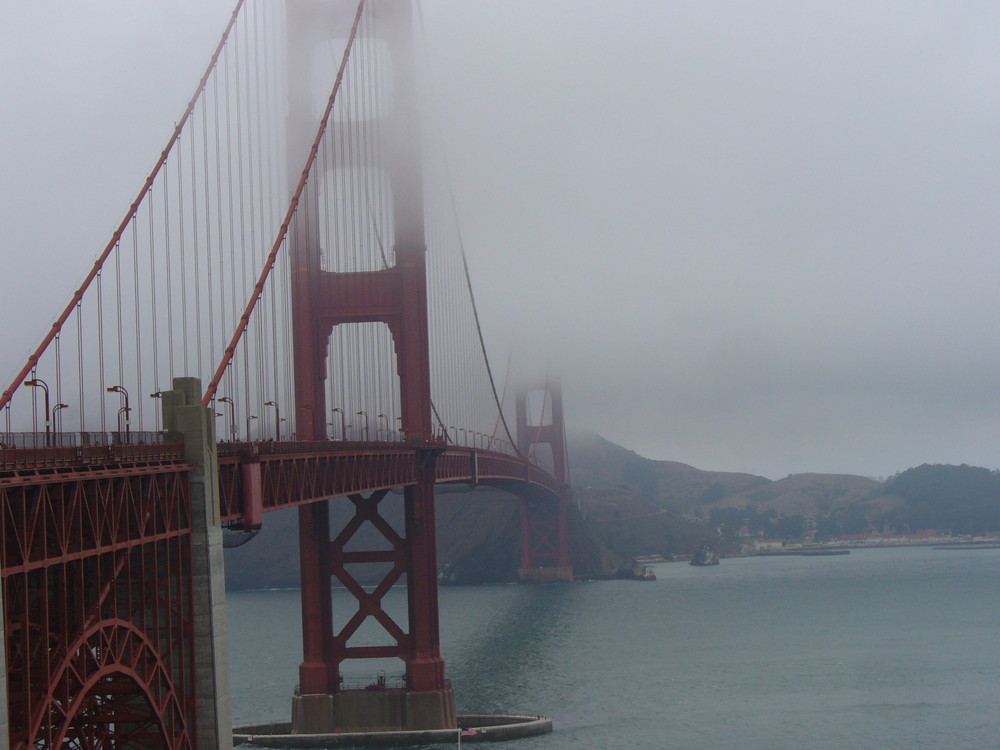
pixel 479 728
pixel 183 413
pixel 374 711
pixel 4 718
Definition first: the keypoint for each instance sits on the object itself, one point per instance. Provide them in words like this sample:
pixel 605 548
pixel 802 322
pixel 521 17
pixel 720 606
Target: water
pixel 893 648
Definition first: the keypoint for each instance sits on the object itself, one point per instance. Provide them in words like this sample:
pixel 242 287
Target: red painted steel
pixel 545 521
pixel 99 536
pixel 397 297
pixel 97 607
pixel 253 501
pixel 369 604
pixel 293 474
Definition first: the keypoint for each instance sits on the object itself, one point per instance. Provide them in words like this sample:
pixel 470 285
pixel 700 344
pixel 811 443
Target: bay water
pixel 882 648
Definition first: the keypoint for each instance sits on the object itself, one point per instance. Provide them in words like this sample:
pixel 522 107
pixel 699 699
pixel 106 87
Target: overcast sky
pixel 752 236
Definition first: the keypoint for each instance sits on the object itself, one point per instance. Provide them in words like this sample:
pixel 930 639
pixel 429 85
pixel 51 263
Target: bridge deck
pixel 263 476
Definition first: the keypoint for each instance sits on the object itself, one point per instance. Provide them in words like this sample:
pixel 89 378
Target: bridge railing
pixel 25 450
pixel 280 447
pixel 396 440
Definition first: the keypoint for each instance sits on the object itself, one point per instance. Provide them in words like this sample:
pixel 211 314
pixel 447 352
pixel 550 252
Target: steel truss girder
pixel 42 523
pixel 74 460
pixel 98 610
pixel 312 471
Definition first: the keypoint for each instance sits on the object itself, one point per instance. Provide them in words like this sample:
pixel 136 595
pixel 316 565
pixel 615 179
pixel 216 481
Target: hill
pixel 599 463
pixel 688 491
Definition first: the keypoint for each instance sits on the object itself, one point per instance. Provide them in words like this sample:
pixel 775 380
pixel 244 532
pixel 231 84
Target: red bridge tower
pixel 544 522
pixel 397 297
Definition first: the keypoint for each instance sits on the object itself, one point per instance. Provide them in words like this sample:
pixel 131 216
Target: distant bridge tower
pixel 397 297
pixel 544 522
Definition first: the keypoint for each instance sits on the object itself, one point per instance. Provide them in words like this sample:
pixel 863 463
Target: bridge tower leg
pixel 397 297
pixel 544 522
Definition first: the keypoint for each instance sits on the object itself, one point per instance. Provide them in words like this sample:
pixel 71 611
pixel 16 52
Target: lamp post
pixel 249 418
pixel 232 415
pixel 157 413
pixel 122 411
pixel 365 415
pixel 39 383
pixel 379 428
pixel 277 419
pixel 57 422
pixel 343 422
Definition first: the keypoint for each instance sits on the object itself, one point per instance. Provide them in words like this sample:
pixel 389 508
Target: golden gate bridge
pixel 283 316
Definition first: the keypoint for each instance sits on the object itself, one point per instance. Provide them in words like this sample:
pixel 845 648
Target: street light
pixel 39 383
pixel 252 416
pixel 124 410
pixel 343 425
pixel 232 415
pixel 383 416
pixel 57 423
pixel 365 415
pixel 277 419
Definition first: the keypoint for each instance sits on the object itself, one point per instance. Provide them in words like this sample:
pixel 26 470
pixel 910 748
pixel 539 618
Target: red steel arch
pixel 122 681
pixel 97 600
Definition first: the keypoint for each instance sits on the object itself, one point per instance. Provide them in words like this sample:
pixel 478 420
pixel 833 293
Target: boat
pixel 706 555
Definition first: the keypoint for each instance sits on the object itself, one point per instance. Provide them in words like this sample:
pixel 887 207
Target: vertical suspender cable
pixel 169 290
pixel 181 231
pixel 279 241
pixel 100 348
pixel 196 251
pixel 137 321
pixel 130 214
pixel 79 360
pixel 152 291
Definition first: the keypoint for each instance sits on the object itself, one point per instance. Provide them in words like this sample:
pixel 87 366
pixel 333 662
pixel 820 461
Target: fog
pixel 749 236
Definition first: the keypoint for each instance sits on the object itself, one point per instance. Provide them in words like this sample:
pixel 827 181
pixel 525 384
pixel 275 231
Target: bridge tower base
pixel 322 704
pixel 374 711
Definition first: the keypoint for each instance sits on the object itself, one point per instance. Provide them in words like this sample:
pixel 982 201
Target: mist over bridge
pixel 283 316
